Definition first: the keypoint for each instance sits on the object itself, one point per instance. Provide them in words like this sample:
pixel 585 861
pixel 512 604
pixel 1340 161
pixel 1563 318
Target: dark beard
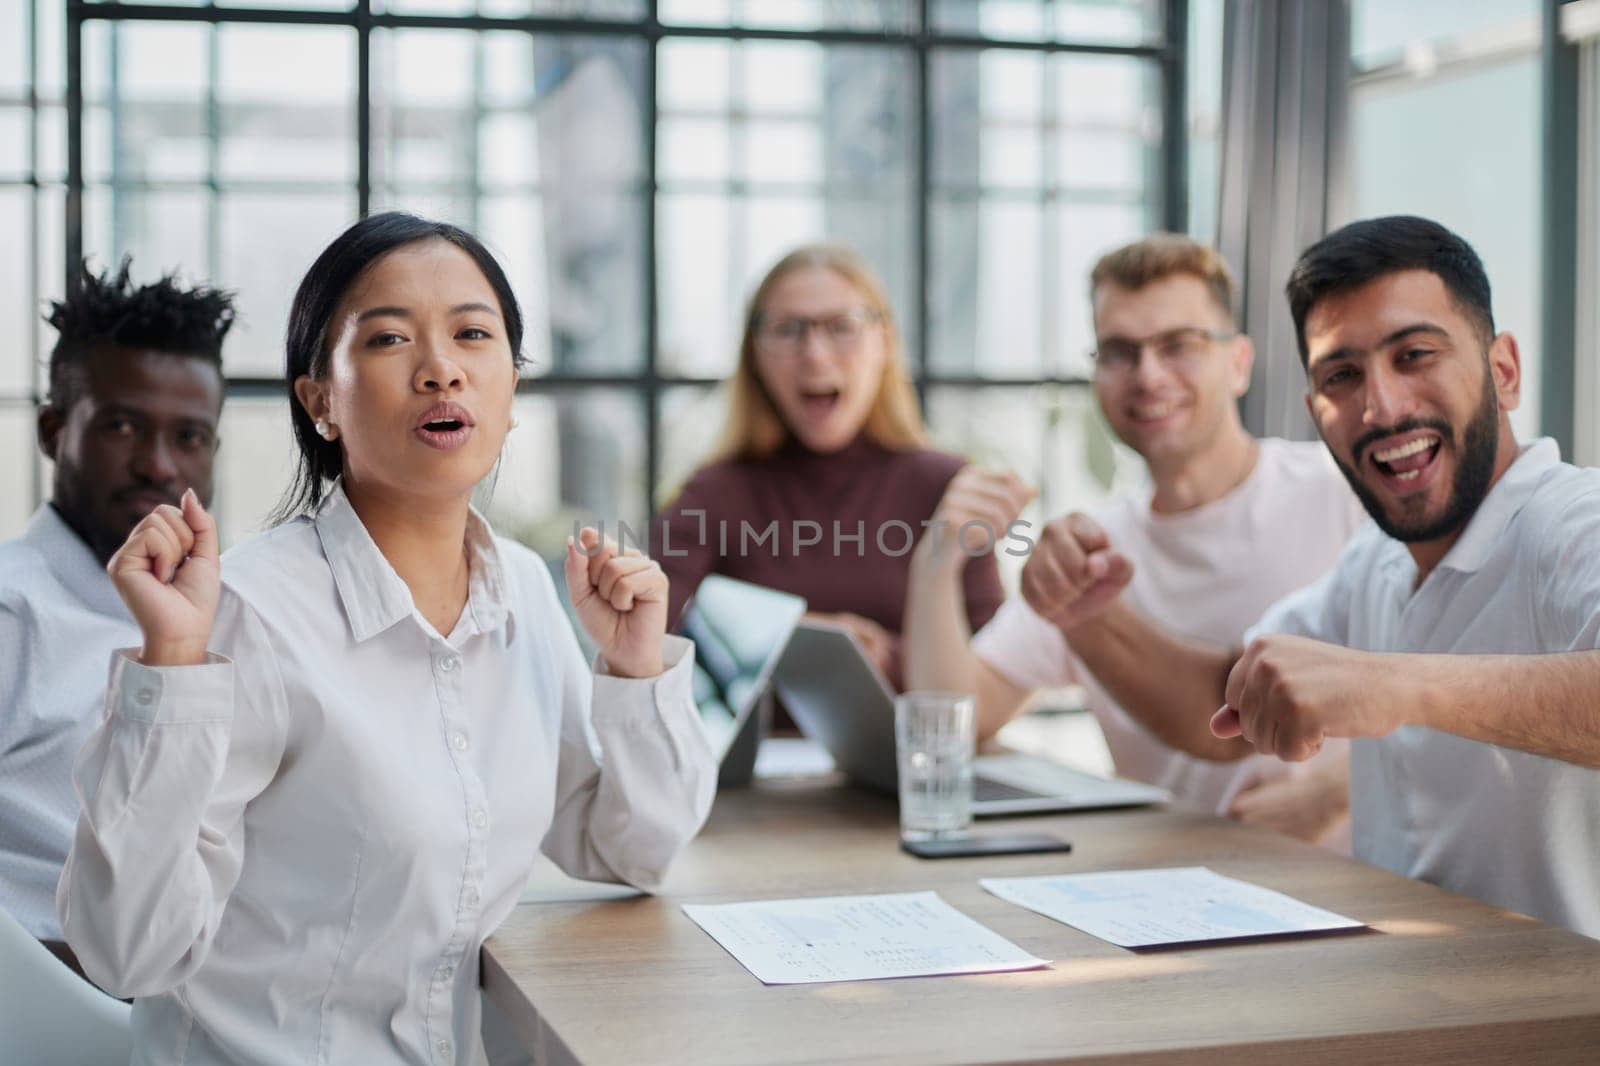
pixel 1473 472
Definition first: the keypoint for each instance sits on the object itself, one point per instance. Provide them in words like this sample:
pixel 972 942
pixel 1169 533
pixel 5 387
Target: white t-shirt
pixel 1514 829
pixel 1206 574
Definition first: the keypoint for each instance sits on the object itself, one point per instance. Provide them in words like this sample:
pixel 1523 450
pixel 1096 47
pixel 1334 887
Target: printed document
pixel 1179 905
pixel 856 938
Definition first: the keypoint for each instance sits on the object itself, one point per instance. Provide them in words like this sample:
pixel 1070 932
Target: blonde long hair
pixel 754 429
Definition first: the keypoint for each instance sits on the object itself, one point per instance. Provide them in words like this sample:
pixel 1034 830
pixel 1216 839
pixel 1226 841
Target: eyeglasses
pixel 786 334
pixel 1178 349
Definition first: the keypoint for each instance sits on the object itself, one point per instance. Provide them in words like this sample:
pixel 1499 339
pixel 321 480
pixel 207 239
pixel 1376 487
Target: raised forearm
pixel 936 640
pixel 1169 685
pixel 1547 705
pixel 936 643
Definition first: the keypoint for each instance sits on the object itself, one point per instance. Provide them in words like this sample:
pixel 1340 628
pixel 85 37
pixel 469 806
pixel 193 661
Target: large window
pixel 1443 100
pixel 637 165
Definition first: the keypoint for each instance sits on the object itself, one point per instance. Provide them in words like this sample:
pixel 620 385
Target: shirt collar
pixel 1486 529
pixel 375 598
pixel 72 562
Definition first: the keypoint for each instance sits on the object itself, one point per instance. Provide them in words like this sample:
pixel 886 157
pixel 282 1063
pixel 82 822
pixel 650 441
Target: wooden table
pixel 1439 978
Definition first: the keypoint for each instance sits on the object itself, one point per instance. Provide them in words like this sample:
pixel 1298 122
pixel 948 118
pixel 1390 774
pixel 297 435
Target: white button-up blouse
pixel 292 853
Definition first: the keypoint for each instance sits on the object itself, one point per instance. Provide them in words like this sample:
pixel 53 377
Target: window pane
pixel 287 99
pixel 284 103
pixel 17 313
pixel 16 151
pixel 882 16
pixel 1204 119
pixel 163 230
pixel 14 48
pixel 52 162
pixel 153 77
pixel 766 145
pixel 254 465
pixel 536 144
pixel 1383 33
pixel 51 269
pixel 989 259
pixel 17 465
pixel 1414 146
pixel 303 5
pixel 50 49
pixel 1085 232
pixel 576 454
pixel 610 10
pixel 691 423
pixel 1040 164
pixel 265 244
pixel 1116 22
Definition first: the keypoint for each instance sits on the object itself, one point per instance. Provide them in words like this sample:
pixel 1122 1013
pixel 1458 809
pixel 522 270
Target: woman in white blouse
pixel 322 782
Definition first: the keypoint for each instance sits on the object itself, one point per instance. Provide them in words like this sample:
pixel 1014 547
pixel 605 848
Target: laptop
pixel 740 631
pixel 841 701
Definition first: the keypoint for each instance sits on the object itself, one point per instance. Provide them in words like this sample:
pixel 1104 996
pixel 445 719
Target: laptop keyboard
pixel 985 790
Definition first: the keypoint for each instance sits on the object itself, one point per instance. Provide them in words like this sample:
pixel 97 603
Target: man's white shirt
pixel 60 619
pixel 1207 574
pixel 1518 830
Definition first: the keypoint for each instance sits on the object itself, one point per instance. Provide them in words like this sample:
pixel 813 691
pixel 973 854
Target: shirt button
pixel 480 817
pixel 448 972
pixel 449 663
pixel 144 697
pixel 458 741
pixel 443 1047
pixel 472 897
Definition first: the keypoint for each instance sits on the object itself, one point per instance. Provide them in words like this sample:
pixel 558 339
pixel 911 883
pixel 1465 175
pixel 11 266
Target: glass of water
pixel 934 742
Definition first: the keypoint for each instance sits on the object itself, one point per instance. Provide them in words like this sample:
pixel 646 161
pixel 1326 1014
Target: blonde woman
pixel 823 478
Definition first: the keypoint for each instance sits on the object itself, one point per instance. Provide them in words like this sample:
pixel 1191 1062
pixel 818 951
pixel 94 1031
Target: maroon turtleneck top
pixel 865 488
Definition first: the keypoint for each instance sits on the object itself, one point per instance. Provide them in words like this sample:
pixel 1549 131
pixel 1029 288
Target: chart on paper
pixel 856 938
pixel 1179 905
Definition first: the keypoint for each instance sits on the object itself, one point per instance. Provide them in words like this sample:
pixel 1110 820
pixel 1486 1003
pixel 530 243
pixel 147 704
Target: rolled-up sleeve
pixel 162 787
pixel 636 776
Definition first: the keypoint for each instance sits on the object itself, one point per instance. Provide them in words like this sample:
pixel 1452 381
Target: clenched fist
pixel 1287 694
pixel 169 575
pixel 1074 572
pixel 991 498
pixel 621 599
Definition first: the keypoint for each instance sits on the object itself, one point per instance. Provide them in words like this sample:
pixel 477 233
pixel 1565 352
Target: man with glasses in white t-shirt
pixel 1204 542
pixel 1457 639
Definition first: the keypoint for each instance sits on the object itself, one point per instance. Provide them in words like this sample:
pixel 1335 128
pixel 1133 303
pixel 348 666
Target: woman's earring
pixel 323 430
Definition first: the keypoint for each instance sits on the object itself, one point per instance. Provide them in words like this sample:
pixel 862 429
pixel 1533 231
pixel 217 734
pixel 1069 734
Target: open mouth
pixel 1406 461
pixel 445 426
pixel 820 401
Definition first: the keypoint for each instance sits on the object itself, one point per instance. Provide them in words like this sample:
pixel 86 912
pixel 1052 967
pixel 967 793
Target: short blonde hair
pixel 754 428
pixel 1162 255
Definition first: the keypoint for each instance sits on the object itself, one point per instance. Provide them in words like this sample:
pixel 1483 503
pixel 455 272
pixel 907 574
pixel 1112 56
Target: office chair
pixel 49 1016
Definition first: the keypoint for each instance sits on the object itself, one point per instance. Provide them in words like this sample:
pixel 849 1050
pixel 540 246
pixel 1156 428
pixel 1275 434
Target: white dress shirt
pixel 1206 574
pixel 293 854
pixel 1518 830
pixel 60 619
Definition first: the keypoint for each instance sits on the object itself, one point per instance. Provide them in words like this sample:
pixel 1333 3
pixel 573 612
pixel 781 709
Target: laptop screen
pixel 739 631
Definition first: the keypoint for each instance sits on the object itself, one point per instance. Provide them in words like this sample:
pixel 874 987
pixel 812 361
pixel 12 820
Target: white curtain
pixel 1286 84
